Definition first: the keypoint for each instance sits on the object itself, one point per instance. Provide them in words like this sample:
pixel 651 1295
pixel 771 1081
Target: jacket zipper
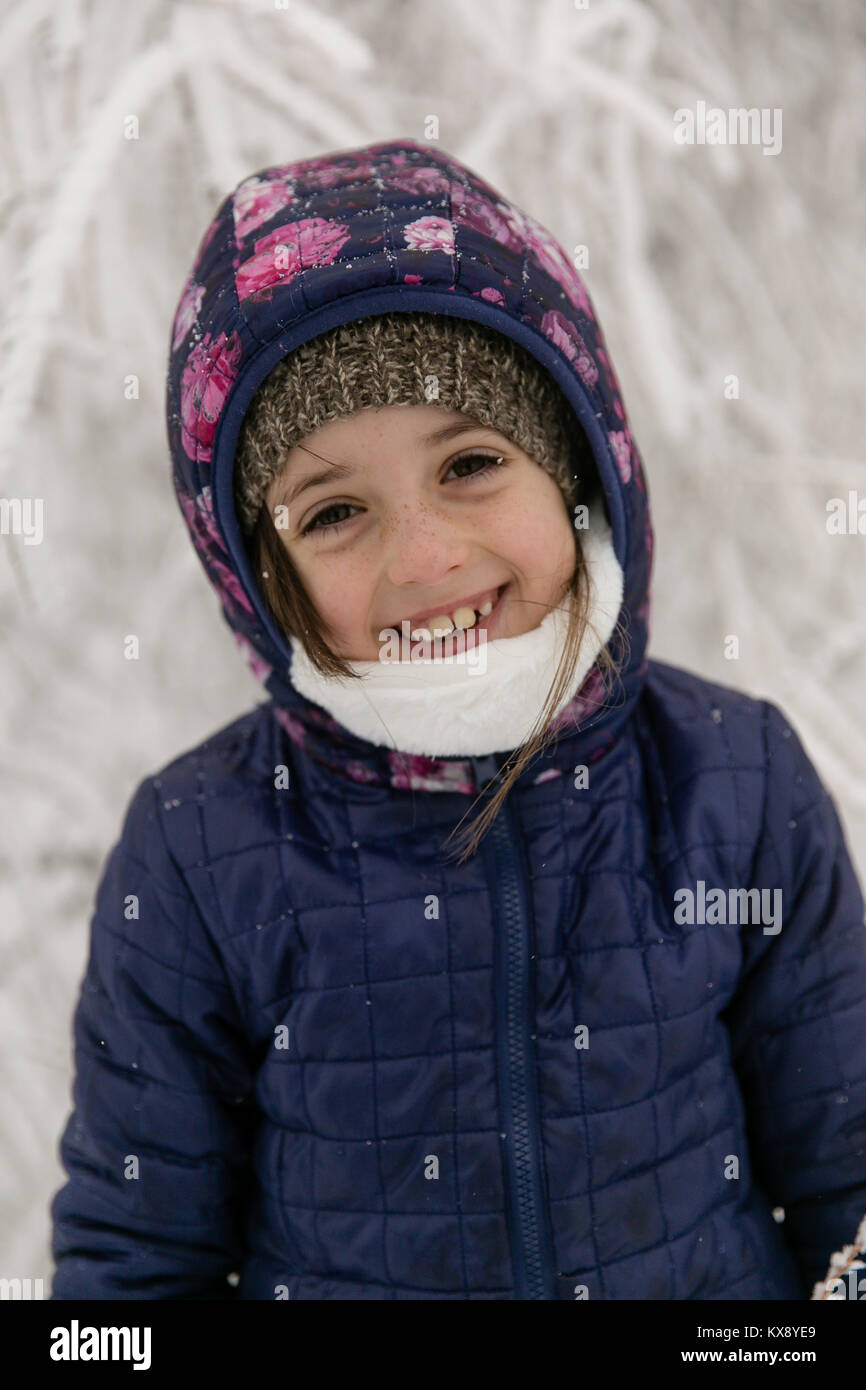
pixel 530 1245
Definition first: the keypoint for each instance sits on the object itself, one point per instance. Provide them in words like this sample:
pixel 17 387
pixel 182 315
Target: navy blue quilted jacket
pixel 294 1080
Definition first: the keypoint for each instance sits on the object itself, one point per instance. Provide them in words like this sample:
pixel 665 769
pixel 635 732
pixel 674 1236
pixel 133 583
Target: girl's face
pixel 417 520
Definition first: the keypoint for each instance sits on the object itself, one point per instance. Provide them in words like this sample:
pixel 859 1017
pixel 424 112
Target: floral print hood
pixel 297 249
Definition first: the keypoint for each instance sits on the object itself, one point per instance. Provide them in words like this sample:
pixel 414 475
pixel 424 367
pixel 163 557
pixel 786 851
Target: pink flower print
pixel 427 179
pixel 293 727
pixel 417 772
pixel 207 379
pixel 326 172
pixel 560 331
pixel 260 668
pixel 637 474
pixel 206 539
pixel 481 216
pixel 313 241
pixel 360 772
pixel 230 586
pixel 256 200
pixel 201 520
pixel 430 234
pixel 576 291
pixel 608 367
pixel 620 442
pixel 413 279
pixel 546 250
pixel 493 295
pixel 187 312
pixel 591 695
pixel 552 258
pixel 604 747
pixel 586 368
pixel 547 775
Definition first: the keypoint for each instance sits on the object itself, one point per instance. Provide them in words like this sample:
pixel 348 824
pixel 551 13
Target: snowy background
pixel 705 261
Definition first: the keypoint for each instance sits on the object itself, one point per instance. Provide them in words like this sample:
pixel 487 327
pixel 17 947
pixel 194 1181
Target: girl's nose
pixel 421 546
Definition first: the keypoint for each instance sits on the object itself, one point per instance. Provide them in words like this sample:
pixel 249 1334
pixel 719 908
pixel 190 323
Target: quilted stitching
pixel 307 913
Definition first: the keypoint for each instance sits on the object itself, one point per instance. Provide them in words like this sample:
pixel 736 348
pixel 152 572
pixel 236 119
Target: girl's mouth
pixel 458 639
pixel 493 616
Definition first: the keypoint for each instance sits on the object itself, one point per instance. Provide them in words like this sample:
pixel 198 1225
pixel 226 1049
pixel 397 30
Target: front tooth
pixel 464 617
pixel 461 618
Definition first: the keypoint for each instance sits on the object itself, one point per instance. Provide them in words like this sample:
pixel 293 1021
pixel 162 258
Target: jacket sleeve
pixel 157 1145
pixel 798 1020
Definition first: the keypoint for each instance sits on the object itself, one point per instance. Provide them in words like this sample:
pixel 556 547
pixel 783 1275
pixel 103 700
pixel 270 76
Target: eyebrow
pixel 334 471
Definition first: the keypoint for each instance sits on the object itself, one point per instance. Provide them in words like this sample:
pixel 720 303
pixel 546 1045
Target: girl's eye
pixel 329 525
pixel 491 462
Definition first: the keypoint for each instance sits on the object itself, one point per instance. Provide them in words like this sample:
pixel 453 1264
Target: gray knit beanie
pixel 407 358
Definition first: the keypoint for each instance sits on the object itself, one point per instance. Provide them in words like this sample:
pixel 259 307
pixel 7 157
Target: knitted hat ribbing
pixel 407 359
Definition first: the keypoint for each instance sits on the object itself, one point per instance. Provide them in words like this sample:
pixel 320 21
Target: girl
pixel 488 959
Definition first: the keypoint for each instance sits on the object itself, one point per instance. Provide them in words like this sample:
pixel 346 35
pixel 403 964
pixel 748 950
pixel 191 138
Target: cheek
pixel 339 589
pixel 541 537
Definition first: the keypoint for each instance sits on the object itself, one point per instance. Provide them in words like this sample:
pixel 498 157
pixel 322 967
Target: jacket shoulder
pixel 236 752
pixel 687 712
pixel 689 715
pixel 718 757
pixel 215 797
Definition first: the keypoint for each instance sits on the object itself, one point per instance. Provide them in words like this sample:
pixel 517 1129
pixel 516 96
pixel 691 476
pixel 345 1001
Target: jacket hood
pixel 394 226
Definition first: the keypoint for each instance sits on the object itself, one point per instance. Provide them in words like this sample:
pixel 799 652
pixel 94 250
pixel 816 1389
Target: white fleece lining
pixel 450 709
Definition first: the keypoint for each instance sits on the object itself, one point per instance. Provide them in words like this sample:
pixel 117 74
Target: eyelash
pixel 493 461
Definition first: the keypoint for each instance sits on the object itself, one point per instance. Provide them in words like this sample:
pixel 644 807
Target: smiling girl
pixel 320 1056
pixel 395 523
